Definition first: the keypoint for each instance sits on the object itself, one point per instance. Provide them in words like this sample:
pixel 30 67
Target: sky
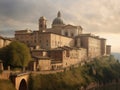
pixel 100 17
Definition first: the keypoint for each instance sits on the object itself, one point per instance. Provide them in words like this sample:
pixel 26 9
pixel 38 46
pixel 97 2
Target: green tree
pixel 16 54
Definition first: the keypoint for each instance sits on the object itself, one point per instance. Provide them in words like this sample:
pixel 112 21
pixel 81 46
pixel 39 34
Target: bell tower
pixel 42 24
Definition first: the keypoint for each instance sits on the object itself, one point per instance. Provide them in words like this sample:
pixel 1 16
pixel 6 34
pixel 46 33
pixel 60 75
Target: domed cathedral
pixel 59 27
pixel 62 45
pixel 58 21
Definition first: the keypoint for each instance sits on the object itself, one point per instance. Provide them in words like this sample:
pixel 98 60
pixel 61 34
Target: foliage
pixel 103 69
pixel 16 54
pixel 6 85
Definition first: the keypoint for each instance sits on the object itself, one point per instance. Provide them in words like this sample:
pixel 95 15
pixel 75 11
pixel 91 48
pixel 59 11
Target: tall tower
pixel 103 46
pixel 42 24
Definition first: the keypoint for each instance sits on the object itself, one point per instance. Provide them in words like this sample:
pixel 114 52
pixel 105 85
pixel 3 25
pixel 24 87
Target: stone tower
pixel 42 24
pixel 103 46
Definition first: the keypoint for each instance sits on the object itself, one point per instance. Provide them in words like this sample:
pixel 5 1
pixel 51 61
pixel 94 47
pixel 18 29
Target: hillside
pixel 6 85
pixel 101 70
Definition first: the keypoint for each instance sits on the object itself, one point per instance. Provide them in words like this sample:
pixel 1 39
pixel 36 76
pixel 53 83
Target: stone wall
pixel 74 56
pixel 4 42
pixel 5 75
pixel 26 38
pixel 1 42
pixel 94 47
pixel 51 40
pixel 31 38
pixel 91 43
pixel 44 64
pixel 38 53
pixel 56 55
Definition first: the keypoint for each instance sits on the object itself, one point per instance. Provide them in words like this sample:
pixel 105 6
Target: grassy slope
pixel 100 70
pixel 6 85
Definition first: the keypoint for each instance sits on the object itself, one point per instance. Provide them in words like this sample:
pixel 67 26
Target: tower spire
pixel 59 14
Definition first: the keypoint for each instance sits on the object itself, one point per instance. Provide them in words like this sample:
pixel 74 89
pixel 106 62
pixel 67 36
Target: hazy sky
pixel 100 17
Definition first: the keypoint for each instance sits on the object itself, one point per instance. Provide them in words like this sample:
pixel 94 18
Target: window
pixel 41 25
pixel 35 41
pixel 58 42
pixel 40 41
pixel 55 43
pixel 66 33
pixel 72 34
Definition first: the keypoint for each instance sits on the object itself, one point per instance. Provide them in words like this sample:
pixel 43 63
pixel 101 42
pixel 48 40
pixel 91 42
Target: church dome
pixel 58 20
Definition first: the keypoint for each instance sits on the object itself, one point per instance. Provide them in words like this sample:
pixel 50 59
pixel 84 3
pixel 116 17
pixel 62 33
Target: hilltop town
pixel 56 49
pixel 60 46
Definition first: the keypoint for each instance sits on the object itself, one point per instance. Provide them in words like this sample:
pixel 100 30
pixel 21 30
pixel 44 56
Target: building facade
pixel 64 45
pixel 4 41
pixel 91 43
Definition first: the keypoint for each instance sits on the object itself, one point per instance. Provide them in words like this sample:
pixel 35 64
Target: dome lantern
pixel 59 14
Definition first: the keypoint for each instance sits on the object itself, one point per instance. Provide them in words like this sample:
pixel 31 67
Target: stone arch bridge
pixel 20 80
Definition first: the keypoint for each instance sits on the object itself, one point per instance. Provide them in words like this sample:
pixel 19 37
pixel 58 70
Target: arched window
pixel 41 25
pixel 66 33
pixel 72 35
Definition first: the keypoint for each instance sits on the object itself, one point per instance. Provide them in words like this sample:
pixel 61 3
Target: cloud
pixel 96 15
pixel 22 14
pixel 112 39
pixel 101 17
pixel 93 15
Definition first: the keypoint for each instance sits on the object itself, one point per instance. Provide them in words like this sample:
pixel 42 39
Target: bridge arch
pixel 20 80
pixel 23 85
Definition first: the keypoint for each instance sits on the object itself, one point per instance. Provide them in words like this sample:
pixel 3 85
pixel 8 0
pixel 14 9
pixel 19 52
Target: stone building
pixel 51 40
pixel 43 63
pixel 59 27
pixel 91 42
pixel 58 31
pixel 62 57
pixel 68 55
pixel 63 44
pixel 4 41
pixel 26 36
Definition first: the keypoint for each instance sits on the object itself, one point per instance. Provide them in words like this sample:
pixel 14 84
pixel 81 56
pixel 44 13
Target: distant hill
pixel 116 55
